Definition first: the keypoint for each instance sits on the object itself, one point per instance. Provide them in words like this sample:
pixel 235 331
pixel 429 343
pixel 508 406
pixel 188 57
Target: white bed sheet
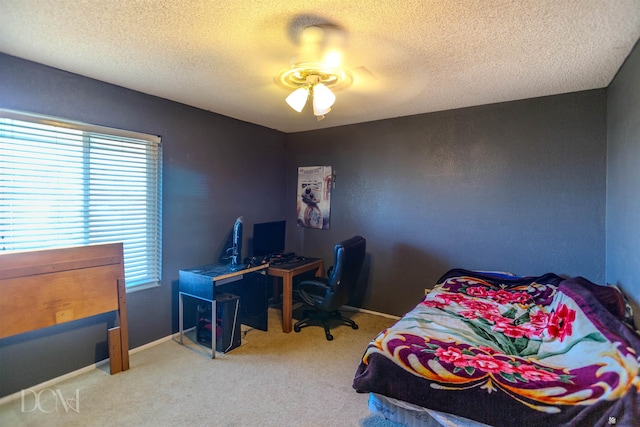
pixel 411 415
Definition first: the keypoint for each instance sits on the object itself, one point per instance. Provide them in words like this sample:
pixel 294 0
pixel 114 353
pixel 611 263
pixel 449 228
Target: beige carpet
pixel 273 379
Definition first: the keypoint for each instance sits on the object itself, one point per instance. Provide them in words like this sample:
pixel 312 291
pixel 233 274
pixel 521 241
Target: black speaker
pixel 227 323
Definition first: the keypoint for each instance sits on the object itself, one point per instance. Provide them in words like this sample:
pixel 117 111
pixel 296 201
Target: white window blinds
pixel 70 184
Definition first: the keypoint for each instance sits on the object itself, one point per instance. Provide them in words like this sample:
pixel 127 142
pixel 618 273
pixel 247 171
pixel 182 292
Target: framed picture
pixel 314 197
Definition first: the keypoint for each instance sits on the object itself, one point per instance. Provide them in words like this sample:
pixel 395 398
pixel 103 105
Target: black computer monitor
pixel 268 238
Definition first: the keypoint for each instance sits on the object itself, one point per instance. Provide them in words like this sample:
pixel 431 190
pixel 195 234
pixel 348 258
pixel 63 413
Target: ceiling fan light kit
pixel 317 71
pixel 313 80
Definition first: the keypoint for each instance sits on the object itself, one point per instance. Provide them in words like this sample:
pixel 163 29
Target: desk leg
pixel 214 326
pixel 320 270
pixel 180 313
pixel 287 303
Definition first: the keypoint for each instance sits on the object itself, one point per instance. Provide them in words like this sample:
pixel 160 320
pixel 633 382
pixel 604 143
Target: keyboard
pixel 292 260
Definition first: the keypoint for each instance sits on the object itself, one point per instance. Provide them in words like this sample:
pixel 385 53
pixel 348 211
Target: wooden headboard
pixel 48 287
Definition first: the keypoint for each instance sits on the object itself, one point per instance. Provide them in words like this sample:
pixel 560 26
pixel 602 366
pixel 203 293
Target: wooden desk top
pixel 295 268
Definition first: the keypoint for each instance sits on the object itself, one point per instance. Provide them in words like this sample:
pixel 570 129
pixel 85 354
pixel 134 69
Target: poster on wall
pixel 314 196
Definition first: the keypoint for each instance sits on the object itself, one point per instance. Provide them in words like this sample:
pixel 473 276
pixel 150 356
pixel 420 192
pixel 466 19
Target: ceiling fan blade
pixel 364 80
pixel 364 74
pixel 321 43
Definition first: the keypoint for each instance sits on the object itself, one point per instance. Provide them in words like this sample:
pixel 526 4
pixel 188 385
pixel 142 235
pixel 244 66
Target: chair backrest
pixel 348 259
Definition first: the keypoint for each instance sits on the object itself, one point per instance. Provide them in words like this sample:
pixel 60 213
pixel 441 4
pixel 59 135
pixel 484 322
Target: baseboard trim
pixel 150 344
pixel 49 383
pixel 364 310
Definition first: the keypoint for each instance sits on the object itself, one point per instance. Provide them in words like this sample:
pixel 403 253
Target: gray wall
pixel 211 167
pixel 517 186
pixel 623 180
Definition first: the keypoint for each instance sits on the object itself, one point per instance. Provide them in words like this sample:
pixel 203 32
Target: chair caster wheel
pixel 296 328
pixel 355 326
pixel 329 337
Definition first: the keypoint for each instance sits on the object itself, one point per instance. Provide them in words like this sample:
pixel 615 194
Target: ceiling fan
pixel 317 71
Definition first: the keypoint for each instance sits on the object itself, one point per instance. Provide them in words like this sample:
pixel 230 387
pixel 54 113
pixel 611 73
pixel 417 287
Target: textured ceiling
pixel 406 56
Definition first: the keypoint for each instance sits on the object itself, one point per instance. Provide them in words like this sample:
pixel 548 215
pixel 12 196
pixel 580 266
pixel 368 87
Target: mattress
pixel 410 415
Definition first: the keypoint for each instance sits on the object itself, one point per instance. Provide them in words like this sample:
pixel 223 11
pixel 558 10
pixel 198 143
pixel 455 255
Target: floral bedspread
pixel 506 351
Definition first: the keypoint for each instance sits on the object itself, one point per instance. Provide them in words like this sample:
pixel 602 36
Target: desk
pixel 288 272
pixel 201 283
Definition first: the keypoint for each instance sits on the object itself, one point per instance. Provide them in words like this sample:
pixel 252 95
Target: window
pixel 70 184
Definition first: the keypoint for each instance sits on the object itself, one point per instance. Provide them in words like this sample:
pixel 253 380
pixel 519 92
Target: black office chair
pixel 325 296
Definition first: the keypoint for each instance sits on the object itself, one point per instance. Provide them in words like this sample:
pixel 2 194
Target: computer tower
pixel 254 306
pixel 227 323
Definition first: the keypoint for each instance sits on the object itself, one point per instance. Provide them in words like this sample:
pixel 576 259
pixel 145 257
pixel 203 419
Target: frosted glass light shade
pixel 323 99
pixel 320 111
pixel 298 98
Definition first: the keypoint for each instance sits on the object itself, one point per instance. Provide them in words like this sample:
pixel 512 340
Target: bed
pixel 501 350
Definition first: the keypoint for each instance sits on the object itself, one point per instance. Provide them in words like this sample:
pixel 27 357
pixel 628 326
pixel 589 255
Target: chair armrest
pixel 318 284
pixel 313 291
